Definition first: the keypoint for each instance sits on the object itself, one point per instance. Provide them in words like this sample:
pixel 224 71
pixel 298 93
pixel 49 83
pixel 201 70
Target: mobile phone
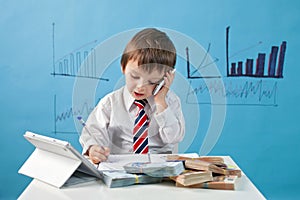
pixel 160 84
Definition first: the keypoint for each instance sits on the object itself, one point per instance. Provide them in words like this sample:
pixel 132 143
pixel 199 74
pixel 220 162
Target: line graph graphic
pixel 257 68
pixel 192 73
pixel 69 65
pixel 63 120
pixel 243 93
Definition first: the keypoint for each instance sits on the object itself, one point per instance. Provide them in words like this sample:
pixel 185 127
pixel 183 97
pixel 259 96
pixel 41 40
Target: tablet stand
pixel 49 167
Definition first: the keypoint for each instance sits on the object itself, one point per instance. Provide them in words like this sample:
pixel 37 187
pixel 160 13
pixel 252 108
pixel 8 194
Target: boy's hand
pixel 160 97
pixel 98 154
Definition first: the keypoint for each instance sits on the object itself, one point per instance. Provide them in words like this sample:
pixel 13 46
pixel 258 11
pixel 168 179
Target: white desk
pixel 166 190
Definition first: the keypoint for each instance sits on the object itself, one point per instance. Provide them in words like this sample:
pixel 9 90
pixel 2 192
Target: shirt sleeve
pixel 171 121
pixel 95 131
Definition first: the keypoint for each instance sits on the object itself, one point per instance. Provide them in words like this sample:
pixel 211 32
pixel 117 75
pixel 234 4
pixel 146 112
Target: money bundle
pixel 157 169
pixel 193 177
pixel 115 179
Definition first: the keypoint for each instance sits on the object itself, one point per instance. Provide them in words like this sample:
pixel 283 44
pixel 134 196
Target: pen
pixel 88 131
pixel 84 126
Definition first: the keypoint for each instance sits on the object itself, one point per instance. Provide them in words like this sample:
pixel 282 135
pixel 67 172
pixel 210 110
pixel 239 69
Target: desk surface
pixel 166 190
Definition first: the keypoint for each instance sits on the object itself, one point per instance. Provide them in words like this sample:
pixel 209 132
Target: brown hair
pixel 152 49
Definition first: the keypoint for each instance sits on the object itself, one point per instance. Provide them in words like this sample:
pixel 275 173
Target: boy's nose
pixel 141 84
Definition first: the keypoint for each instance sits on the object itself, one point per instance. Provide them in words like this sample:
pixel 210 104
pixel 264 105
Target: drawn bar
pixel 240 68
pixel 72 63
pixel 260 64
pixel 249 67
pixel 66 66
pixel 78 62
pixel 232 70
pixel 281 59
pixel 86 63
pixel 272 61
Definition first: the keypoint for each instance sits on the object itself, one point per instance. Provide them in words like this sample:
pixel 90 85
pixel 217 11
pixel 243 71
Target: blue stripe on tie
pixel 139 133
pixel 143 145
pixel 140 115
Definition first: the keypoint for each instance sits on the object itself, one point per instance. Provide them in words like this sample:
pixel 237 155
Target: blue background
pixel 262 139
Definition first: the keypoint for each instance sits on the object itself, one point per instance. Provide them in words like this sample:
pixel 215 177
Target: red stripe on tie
pixel 140 140
pixel 145 150
pixel 140 123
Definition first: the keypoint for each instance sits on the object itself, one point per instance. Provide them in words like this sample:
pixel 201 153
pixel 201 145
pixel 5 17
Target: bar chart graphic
pixel 263 66
pixel 80 62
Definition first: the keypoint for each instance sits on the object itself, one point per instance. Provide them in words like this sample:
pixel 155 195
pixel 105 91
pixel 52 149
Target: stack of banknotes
pixel 115 179
pixel 188 178
pixel 155 169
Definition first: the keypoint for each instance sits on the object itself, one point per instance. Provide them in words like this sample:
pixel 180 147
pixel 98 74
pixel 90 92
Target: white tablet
pixel 55 160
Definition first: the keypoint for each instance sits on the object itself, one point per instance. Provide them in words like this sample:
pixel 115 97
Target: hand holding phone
pixel 160 85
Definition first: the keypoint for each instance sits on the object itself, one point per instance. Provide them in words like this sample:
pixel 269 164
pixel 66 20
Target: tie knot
pixel 140 103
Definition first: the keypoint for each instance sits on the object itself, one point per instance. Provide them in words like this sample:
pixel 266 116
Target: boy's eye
pixel 155 82
pixel 151 83
pixel 134 77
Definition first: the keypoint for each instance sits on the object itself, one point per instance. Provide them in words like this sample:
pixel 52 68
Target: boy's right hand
pixel 98 154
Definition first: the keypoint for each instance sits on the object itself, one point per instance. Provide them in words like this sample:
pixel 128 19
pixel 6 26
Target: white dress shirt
pixel 112 120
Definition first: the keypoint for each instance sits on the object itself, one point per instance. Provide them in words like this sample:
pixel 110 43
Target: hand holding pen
pixel 95 152
pixel 98 153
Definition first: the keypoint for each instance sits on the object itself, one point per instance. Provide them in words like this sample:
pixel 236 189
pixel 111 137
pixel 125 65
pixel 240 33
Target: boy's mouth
pixel 138 94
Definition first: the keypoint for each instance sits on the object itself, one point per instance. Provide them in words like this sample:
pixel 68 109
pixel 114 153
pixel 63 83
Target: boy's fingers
pixel 99 154
pixel 103 150
pixel 99 157
pixel 95 160
pixel 98 149
pixel 106 151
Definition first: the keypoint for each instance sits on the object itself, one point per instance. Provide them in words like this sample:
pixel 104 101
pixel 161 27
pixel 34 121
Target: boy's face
pixel 140 83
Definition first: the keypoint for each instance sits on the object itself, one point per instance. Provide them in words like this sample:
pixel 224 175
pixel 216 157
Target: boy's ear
pixel 123 69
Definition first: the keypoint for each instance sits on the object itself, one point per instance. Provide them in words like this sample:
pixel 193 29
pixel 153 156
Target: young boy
pixel 112 126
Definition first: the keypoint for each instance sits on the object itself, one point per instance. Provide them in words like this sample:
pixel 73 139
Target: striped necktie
pixel 140 130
